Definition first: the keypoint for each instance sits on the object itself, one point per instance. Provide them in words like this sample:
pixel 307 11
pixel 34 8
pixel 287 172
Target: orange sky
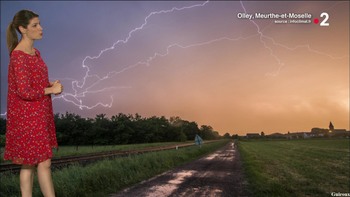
pixel 240 86
pixel 203 64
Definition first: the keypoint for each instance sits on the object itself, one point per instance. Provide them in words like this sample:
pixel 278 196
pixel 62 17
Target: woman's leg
pixel 26 177
pixel 45 179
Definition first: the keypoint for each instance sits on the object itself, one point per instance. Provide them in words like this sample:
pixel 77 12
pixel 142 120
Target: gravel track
pixel 217 174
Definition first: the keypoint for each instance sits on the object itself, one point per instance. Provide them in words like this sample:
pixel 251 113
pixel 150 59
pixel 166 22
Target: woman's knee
pixel 45 164
pixel 27 167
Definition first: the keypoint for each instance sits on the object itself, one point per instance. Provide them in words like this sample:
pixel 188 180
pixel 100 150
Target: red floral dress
pixel 30 129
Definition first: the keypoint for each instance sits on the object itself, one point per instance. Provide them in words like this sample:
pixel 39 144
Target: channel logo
pixel 324 19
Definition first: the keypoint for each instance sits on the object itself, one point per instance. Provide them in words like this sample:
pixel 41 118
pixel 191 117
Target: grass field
pixel 109 176
pixel 74 151
pixel 313 167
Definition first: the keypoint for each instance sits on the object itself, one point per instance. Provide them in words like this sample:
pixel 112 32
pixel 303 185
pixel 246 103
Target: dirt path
pixel 218 174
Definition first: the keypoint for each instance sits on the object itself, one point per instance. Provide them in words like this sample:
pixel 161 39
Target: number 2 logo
pixel 324 21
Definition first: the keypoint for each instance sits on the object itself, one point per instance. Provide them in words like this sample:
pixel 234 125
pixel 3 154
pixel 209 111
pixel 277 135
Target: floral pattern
pixel 30 129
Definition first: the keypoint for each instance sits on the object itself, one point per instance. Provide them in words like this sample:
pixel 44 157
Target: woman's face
pixel 34 30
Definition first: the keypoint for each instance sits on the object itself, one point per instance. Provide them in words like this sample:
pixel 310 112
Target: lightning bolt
pixel 261 36
pixel 76 97
pixel 75 84
pixel 279 61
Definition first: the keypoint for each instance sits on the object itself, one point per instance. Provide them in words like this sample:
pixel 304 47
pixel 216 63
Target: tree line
pixel 72 129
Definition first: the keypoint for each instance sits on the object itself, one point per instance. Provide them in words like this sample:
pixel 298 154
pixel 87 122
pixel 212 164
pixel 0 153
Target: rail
pixel 91 157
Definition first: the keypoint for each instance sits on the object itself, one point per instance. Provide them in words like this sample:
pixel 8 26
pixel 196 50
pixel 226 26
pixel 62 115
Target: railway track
pixel 58 163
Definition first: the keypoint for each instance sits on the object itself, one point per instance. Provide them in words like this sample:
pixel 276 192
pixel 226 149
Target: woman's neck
pixel 26 45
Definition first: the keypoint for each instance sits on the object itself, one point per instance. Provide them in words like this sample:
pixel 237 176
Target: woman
pixel 30 129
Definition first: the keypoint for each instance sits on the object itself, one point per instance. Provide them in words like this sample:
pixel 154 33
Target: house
pixel 299 135
pixel 277 135
pixel 253 135
pixel 339 133
pixel 318 132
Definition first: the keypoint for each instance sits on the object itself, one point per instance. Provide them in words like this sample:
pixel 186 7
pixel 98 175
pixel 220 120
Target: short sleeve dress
pixel 30 128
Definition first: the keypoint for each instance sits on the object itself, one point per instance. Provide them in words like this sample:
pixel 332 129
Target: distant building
pixel 299 135
pixel 315 133
pixel 331 127
pixel 253 135
pixel 277 135
pixel 337 132
pixel 318 132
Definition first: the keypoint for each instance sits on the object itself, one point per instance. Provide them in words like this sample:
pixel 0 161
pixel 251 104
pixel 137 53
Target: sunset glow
pixel 202 62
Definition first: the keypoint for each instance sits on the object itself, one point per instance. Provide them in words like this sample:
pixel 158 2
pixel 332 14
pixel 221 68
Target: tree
pixel 207 133
pixel 71 129
pixel 122 128
pixel 262 134
pixel 190 129
pixel 227 135
pixel 2 126
pixel 64 126
pixel 102 127
pixel 2 141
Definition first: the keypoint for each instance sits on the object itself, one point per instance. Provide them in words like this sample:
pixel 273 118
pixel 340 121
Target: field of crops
pixel 313 167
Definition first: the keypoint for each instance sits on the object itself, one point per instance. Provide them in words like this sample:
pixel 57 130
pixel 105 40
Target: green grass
pixel 74 151
pixel 296 167
pixel 109 176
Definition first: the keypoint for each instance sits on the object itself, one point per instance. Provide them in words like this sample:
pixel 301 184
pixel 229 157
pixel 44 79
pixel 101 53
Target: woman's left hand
pixel 57 82
pixel 51 83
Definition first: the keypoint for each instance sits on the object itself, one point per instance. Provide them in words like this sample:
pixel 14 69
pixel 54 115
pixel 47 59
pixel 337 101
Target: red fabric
pixel 30 129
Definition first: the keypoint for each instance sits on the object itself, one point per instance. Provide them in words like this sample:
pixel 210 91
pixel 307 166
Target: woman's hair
pixel 21 18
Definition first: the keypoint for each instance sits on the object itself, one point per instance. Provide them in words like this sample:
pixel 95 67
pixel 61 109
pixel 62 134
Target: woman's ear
pixel 22 29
